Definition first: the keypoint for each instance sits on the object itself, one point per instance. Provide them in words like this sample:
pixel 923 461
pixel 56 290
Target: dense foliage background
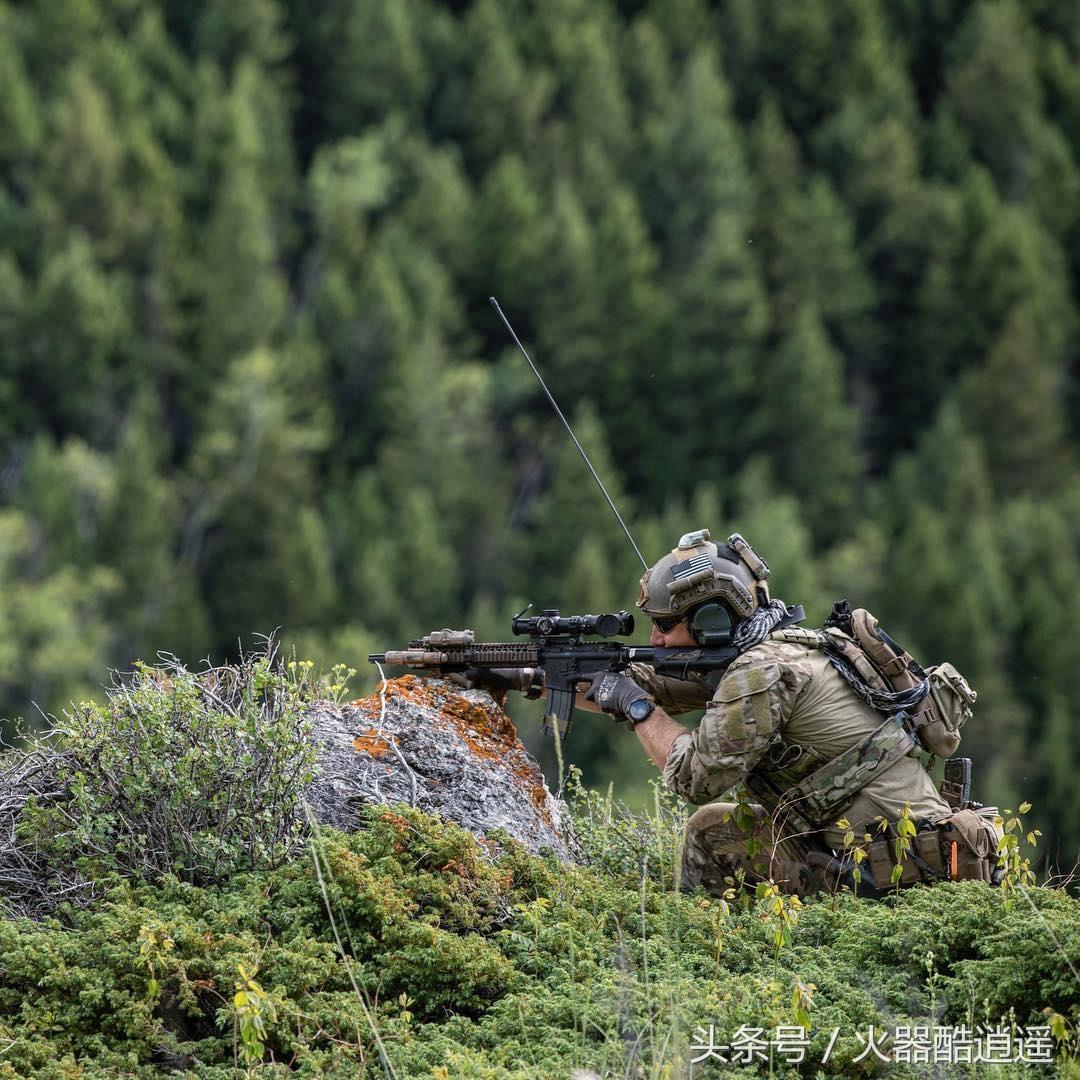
pixel 808 271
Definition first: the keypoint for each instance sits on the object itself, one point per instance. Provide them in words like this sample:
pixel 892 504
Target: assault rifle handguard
pixel 556 647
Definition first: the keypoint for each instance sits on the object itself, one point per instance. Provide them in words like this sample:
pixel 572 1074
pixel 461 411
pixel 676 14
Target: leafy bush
pixel 197 775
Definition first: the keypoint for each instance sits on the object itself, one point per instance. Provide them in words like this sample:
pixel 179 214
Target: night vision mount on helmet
pixel 698 571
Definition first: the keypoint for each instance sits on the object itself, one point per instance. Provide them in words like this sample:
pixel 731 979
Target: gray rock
pixel 444 750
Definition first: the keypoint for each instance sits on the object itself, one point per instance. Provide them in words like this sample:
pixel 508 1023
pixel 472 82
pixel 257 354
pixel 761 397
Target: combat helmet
pixel 699 571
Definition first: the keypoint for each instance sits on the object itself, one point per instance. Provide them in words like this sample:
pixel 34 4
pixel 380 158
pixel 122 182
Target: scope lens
pixel 611 625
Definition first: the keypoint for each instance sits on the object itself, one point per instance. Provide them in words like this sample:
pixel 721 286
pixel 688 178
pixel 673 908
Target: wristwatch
pixel 639 712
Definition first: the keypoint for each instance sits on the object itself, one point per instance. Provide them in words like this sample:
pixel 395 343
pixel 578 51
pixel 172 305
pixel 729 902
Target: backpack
pixel 942 699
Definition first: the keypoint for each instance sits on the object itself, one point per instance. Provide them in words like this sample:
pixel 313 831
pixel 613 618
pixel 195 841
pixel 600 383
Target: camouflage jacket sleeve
pixel 674 696
pixel 741 721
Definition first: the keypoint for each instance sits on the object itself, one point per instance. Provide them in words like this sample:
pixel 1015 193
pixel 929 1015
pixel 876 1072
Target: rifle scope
pixel 549 623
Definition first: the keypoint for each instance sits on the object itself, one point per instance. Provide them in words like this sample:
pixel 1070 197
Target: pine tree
pixel 243 30
pixel 368 61
pixel 944 592
pixel 569 508
pixel 441 207
pixel 805 424
pixel 584 40
pixel 1015 401
pixel 76 321
pixel 697 169
pixel 21 123
pixel 83 165
pixel 805 237
pixel 684 25
pixel 650 80
pixel 698 195
pixel 160 608
pixel 705 387
pixel 995 89
pixel 18 415
pixel 57 589
pixel 634 315
pixel 253 527
pixel 513 236
pixel 55 638
pixel 568 311
pixel 819 58
pixel 500 108
pixel 349 181
pixel 774 524
pixel 1044 653
pixel 243 291
pixel 438 448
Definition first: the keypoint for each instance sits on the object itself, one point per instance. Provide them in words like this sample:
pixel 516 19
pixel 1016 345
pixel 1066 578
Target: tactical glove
pixel 614 692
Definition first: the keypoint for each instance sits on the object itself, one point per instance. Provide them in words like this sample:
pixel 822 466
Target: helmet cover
pixel 698 570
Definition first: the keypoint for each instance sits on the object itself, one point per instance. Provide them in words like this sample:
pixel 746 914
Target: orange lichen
pixel 487 731
pixel 372 742
pixel 490 734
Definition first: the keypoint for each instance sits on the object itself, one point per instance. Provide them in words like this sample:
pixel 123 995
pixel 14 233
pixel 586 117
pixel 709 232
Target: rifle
pixel 555 647
pixel 558 648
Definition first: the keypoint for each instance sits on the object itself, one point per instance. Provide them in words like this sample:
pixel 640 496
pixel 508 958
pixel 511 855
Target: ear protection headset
pixel 711 624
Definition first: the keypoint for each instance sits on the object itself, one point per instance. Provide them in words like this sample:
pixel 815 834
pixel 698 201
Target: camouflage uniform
pixel 779 713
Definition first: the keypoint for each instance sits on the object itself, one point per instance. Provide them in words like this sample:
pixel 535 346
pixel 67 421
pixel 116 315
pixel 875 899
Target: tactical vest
pixel 814 791
pixel 810 789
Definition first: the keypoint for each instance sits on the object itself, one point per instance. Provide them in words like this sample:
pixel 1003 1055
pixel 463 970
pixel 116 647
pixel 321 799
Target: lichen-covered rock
pixel 442 749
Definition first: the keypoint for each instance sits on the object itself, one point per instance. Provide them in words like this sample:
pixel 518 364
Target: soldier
pixel 788 718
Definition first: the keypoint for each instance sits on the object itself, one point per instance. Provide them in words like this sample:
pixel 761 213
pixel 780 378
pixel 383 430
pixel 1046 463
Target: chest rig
pixel 811 790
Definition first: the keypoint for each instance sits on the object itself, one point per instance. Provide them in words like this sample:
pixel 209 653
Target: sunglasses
pixel 665 626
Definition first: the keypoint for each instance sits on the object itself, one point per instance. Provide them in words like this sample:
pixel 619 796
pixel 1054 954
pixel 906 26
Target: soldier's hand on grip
pixel 614 692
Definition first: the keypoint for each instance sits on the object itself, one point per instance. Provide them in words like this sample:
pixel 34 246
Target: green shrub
pixel 219 944
pixel 197 775
pixel 512 966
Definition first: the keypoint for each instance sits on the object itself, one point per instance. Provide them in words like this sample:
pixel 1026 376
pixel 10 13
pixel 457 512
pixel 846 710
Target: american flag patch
pixel 691 566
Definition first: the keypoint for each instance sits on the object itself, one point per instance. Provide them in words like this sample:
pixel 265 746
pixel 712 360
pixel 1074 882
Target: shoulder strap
pixel 799 635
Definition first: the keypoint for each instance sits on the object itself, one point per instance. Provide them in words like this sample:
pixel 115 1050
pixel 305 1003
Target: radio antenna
pixel 555 405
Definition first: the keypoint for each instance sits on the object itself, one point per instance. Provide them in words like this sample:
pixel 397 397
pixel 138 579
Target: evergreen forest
pixel 807 271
